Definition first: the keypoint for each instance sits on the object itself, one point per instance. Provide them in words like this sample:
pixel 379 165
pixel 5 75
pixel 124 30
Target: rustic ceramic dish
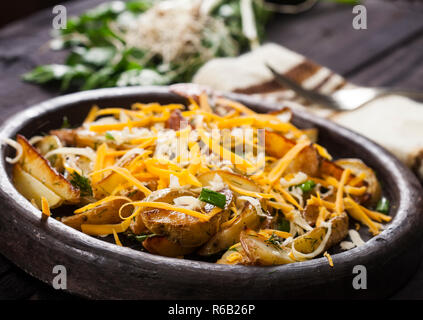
pixel 98 269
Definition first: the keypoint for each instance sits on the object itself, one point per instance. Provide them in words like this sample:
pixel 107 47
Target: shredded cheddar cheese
pixel 199 178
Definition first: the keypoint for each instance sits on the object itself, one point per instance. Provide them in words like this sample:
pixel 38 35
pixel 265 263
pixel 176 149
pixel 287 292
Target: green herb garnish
pixel 65 123
pixel 82 183
pixel 283 224
pixel 215 198
pixel 102 54
pixel 142 237
pixel 307 186
pixel 383 205
pixel 109 136
pixel 275 241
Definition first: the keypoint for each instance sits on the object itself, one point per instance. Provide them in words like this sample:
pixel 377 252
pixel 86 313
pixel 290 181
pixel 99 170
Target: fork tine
pixel 310 95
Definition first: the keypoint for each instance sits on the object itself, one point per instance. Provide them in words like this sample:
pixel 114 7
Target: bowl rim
pixel 408 188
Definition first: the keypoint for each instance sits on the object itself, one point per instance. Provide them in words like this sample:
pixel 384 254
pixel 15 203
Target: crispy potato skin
pixel 176 121
pixel 311 213
pixel 137 225
pixel 307 242
pixel 233 178
pixel 307 161
pixel 164 247
pixel 37 166
pixel 230 235
pixel 107 213
pixel 183 229
pixel 339 230
pixel 33 189
pixel 262 253
pixel 180 228
pixel 276 144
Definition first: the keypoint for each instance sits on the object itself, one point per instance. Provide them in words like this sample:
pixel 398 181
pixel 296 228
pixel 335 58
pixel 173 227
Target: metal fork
pixel 344 99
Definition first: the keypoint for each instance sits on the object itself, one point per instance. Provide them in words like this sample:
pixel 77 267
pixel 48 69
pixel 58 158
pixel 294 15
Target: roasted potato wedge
pixel 307 161
pixel 357 167
pixel 107 213
pixel 261 252
pixel 329 168
pixel 180 228
pixel 309 242
pixel 233 178
pixel 164 247
pixel 31 188
pixel 276 144
pixel 311 213
pixel 230 235
pixel 36 165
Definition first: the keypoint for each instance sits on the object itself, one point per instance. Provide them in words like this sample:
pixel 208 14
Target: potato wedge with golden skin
pixel 164 247
pixel 31 188
pixel 261 252
pixel 307 161
pixel 329 168
pixel 276 144
pixel 373 186
pixel 180 228
pixel 229 177
pixel 339 230
pixel 36 165
pixel 311 240
pixel 107 213
pixel 230 235
pixel 183 229
pixel 311 213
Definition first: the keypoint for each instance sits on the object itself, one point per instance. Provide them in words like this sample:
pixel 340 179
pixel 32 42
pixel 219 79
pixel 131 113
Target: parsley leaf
pixel 82 183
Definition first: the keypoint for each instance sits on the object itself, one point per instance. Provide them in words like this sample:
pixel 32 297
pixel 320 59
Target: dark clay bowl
pixel 98 269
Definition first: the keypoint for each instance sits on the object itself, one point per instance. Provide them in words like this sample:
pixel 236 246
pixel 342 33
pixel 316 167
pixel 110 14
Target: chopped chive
pixel 383 205
pixel 215 198
pixel 307 186
pixel 65 123
pixel 109 136
pixel 142 237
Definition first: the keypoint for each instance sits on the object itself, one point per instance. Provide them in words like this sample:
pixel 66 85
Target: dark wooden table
pixel 388 53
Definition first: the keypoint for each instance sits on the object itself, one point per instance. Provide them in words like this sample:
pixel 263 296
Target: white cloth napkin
pixel 394 122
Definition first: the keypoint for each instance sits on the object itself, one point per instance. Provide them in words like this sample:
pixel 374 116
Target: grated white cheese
pixel 217 183
pixel 355 238
pixel 297 193
pixel 255 203
pixel 188 202
pixel 174 182
pixel 299 178
pixel 346 245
